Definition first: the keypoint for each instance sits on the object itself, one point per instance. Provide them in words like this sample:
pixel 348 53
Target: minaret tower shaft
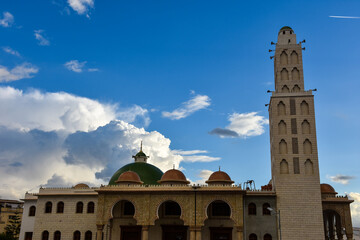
pixel 294 156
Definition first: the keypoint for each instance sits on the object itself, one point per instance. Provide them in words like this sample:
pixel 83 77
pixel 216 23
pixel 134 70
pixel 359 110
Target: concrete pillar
pixel 145 232
pixel 192 234
pixel 100 228
pixel 195 233
pixel 198 234
pixel 239 233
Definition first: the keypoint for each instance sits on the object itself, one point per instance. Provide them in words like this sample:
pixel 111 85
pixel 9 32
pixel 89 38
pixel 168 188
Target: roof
pixel 81 185
pixel 327 188
pixel 285 28
pixel 148 173
pixel 219 176
pixel 141 154
pixel 174 175
pixel 129 176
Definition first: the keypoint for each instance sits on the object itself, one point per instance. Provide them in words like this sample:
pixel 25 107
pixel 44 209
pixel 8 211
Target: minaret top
pixel 140 156
pixel 286 36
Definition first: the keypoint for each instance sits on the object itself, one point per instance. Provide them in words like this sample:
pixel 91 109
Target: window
pixel 77 235
pixel 304 108
pixel 267 237
pixel 45 235
pixel 266 211
pixel 88 235
pixel 309 167
pixel 307 147
pixel 172 209
pixel 28 235
pixel 281 109
pixel 292 107
pixel 293 126
pixel 48 207
pixel 253 236
pixel 282 127
pixel 128 209
pixel 296 165
pixel 60 207
pixel 220 209
pixel 32 211
pixel 91 207
pixel 295 146
pixel 284 74
pixel 283 147
pixel 252 209
pixel 79 207
pixel 57 235
pixel 284 167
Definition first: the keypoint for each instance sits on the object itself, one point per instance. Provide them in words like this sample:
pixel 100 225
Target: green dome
pixel 148 173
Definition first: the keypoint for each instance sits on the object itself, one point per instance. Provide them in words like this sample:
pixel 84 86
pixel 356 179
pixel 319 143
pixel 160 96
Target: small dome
pixel 285 28
pixel 326 188
pixel 129 177
pixel 219 177
pixel 141 154
pixel 81 185
pixel 175 176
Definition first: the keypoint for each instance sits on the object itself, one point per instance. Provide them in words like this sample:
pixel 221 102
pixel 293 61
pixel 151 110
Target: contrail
pixel 348 17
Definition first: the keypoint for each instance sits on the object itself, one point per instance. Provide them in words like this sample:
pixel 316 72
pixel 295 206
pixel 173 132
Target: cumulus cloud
pixel 41 37
pixel 355 208
pixel 78 67
pixel 7 20
pixel 202 176
pixel 192 156
pixel 58 139
pixel 242 125
pixel 11 51
pixel 196 103
pixel 25 70
pixel 342 179
pixel 81 6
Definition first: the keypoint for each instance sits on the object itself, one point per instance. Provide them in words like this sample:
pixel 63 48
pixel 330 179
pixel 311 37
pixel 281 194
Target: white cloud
pixel 242 125
pixel 22 71
pixel 200 158
pixel 196 103
pixel 70 139
pixel 75 65
pixel 191 152
pixel 346 17
pixel 7 20
pixel 342 179
pixel 355 208
pixel 40 36
pixel 202 176
pixel 11 51
pixel 81 6
pixel 78 67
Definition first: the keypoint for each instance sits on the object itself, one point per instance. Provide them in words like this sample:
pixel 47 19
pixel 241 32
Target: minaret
pixel 294 156
pixel 141 156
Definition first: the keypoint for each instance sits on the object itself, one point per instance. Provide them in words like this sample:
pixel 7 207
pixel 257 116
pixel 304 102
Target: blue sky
pixel 176 69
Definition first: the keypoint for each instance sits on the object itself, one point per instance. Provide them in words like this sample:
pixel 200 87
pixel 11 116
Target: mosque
pixel 143 203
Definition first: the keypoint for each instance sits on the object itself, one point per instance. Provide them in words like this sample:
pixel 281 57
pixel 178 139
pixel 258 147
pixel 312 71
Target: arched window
pixel 45 235
pixel 283 58
pixel 304 108
pixel 307 147
pixel 77 235
pixel 48 207
pixel 281 108
pixel 252 236
pixel 219 209
pixel 305 127
pixel 296 88
pixel 283 147
pixel 284 74
pixel 285 89
pixel 266 211
pixel 294 58
pixel 295 74
pixel 57 235
pixel 32 211
pixel 284 167
pixel 267 237
pixel 252 209
pixel 309 167
pixel 79 207
pixel 282 127
pixel 91 207
pixel 88 235
pixel 60 207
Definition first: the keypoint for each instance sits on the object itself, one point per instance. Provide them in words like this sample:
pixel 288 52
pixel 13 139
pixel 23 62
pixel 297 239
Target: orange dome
pixel 219 177
pixel 81 185
pixel 129 177
pixel 326 188
pixel 173 175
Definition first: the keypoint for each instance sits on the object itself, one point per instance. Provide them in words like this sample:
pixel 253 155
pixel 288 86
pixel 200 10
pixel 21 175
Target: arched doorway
pixel 218 225
pixel 332 225
pixel 123 225
pixel 169 226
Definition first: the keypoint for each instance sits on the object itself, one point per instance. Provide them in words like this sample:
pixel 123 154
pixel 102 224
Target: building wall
pixel 69 221
pixel 260 224
pixel 27 222
pixel 9 209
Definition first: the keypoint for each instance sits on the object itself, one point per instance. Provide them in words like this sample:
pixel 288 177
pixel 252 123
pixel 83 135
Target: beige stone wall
pixel 298 192
pixel 69 221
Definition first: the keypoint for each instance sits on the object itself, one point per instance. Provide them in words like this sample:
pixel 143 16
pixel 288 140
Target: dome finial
pixel 173 166
pixel 141 146
pixel 219 168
